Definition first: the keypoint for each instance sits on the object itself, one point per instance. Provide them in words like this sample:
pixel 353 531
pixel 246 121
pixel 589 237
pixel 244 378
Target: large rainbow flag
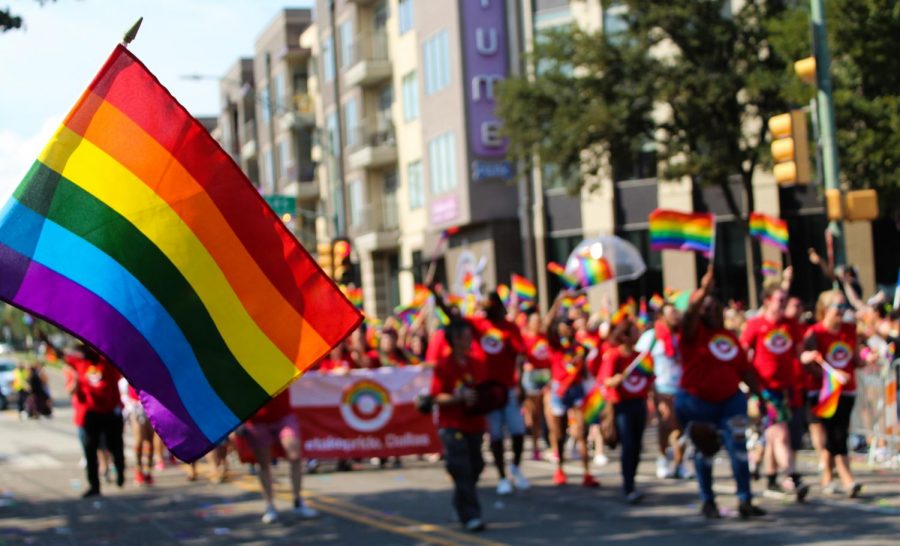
pixel 673 230
pixel 769 230
pixel 136 232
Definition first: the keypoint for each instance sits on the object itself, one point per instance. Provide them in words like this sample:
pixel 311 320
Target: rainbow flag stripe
pixel 656 302
pixel 355 296
pixel 558 270
pixel 593 405
pixel 769 268
pixel 503 292
pixel 645 365
pixel 829 395
pixel 769 230
pixel 468 282
pixel 524 290
pixel 136 232
pixel 673 230
pixel 592 272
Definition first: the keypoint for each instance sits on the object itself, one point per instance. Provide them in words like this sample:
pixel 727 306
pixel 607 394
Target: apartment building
pixel 405 92
pixel 236 124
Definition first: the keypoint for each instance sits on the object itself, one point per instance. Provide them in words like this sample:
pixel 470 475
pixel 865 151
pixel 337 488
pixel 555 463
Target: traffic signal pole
pixel 825 113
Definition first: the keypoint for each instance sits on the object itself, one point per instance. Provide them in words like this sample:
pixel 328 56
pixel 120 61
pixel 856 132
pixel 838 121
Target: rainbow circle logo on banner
pixel 366 406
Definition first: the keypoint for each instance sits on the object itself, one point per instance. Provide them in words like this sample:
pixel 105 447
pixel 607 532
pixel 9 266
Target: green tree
pixel 12 21
pixel 688 76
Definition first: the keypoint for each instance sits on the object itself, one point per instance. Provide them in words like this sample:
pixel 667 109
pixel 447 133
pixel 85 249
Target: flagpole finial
pixel 132 32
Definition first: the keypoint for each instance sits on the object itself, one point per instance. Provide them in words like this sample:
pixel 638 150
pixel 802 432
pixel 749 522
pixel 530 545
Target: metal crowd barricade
pixel 875 413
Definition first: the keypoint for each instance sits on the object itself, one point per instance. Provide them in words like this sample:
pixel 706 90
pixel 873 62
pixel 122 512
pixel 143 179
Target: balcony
pixel 377 225
pixel 370 64
pixel 371 148
pixel 301 115
pixel 301 183
pixel 248 140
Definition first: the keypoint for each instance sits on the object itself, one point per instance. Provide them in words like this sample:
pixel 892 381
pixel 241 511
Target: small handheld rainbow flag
pixel 593 271
pixel 673 230
pixel 523 289
pixel 769 268
pixel 136 232
pixel 641 365
pixel 560 272
pixel 593 405
pixel 656 302
pixel 643 317
pixel 503 292
pixel 468 282
pixel 355 296
pixel 830 393
pixel 769 230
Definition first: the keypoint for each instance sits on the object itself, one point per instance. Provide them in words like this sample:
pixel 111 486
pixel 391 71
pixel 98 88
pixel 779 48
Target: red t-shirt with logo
pixel 449 377
pixel 838 349
pixel 498 345
pixel 277 409
pixel 774 348
pixel 712 364
pixel 593 348
pixel 538 352
pixel 78 408
pixel 98 384
pixel 635 385
pixel 564 362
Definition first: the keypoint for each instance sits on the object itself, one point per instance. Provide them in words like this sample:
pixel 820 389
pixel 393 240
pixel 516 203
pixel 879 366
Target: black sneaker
pixel 775 487
pixel 747 510
pixel 710 510
pixel 855 490
pixel 120 479
pixel 801 490
pixel 90 493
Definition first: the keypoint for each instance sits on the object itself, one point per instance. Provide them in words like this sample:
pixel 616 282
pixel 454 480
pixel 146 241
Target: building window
pixel 410 97
pixel 405 14
pixel 346 33
pixel 265 106
pixel 284 158
pixel 269 168
pixel 279 92
pixel 442 159
pixel 328 59
pixel 416 188
pixel 356 202
pixel 437 63
pixel 351 122
pixel 331 125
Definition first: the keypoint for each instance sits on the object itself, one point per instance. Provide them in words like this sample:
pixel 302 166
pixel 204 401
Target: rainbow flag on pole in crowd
pixel 560 272
pixel 523 289
pixel 593 405
pixel 769 268
pixel 656 302
pixel 830 393
pixel 355 296
pixel 503 292
pixel 645 365
pixel 673 230
pixel 593 271
pixel 769 230
pixel 137 233
pixel 643 317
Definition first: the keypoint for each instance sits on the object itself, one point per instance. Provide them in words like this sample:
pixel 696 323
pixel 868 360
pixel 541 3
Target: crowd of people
pixel 719 376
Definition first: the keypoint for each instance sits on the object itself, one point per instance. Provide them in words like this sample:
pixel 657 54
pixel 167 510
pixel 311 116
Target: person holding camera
pixel 710 401
pixel 460 426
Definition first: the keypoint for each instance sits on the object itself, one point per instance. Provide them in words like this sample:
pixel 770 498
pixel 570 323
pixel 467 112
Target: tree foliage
pixel 12 21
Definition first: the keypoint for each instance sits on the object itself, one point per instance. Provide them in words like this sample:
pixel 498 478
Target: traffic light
pixel 343 269
pixel 806 69
pixel 790 148
pixel 324 257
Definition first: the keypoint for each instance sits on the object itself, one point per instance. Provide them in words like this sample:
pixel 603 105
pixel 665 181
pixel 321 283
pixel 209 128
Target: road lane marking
pixel 426 532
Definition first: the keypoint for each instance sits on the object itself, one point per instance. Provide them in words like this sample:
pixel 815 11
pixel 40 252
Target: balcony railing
pixel 371 134
pixel 377 217
pixel 247 139
pixel 369 62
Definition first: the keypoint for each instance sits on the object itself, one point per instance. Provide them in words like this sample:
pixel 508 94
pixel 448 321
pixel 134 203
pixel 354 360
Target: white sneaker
pixel 504 487
pixel 634 497
pixel 684 472
pixel 474 525
pixel 305 512
pixel 662 467
pixel 519 479
pixel 271 516
pixel 601 460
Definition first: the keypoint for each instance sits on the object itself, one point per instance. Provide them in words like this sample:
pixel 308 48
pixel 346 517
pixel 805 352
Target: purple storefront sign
pixel 486 64
pixel 444 209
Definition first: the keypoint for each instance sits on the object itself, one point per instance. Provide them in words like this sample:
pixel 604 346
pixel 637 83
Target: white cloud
pixel 18 152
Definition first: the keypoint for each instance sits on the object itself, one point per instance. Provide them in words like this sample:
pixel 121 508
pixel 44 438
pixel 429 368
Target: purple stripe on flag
pixel 83 313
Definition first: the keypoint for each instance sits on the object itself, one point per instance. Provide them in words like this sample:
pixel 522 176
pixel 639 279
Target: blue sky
pixel 47 65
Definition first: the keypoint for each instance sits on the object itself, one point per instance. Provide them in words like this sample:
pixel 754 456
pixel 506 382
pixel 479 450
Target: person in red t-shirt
pixel 628 393
pixel 832 343
pixel 773 343
pixel 461 432
pixel 710 401
pixel 96 386
pixel 389 353
pixel 535 377
pixel 500 346
pixel 276 422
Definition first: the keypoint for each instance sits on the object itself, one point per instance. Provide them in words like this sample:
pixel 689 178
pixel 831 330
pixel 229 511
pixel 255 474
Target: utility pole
pixel 341 215
pixel 826 125
pixel 270 112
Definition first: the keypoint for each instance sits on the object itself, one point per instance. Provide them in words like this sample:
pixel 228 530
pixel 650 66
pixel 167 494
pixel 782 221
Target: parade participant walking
pixel 461 431
pixel 628 394
pixel 500 345
pixel 662 342
pixel 535 377
pixel 143 437
pixel 20 386
pixel 710 402
pixel 773 342
pixel 834 344
pixel 95 386
pixel 568 373
pixel 276 422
